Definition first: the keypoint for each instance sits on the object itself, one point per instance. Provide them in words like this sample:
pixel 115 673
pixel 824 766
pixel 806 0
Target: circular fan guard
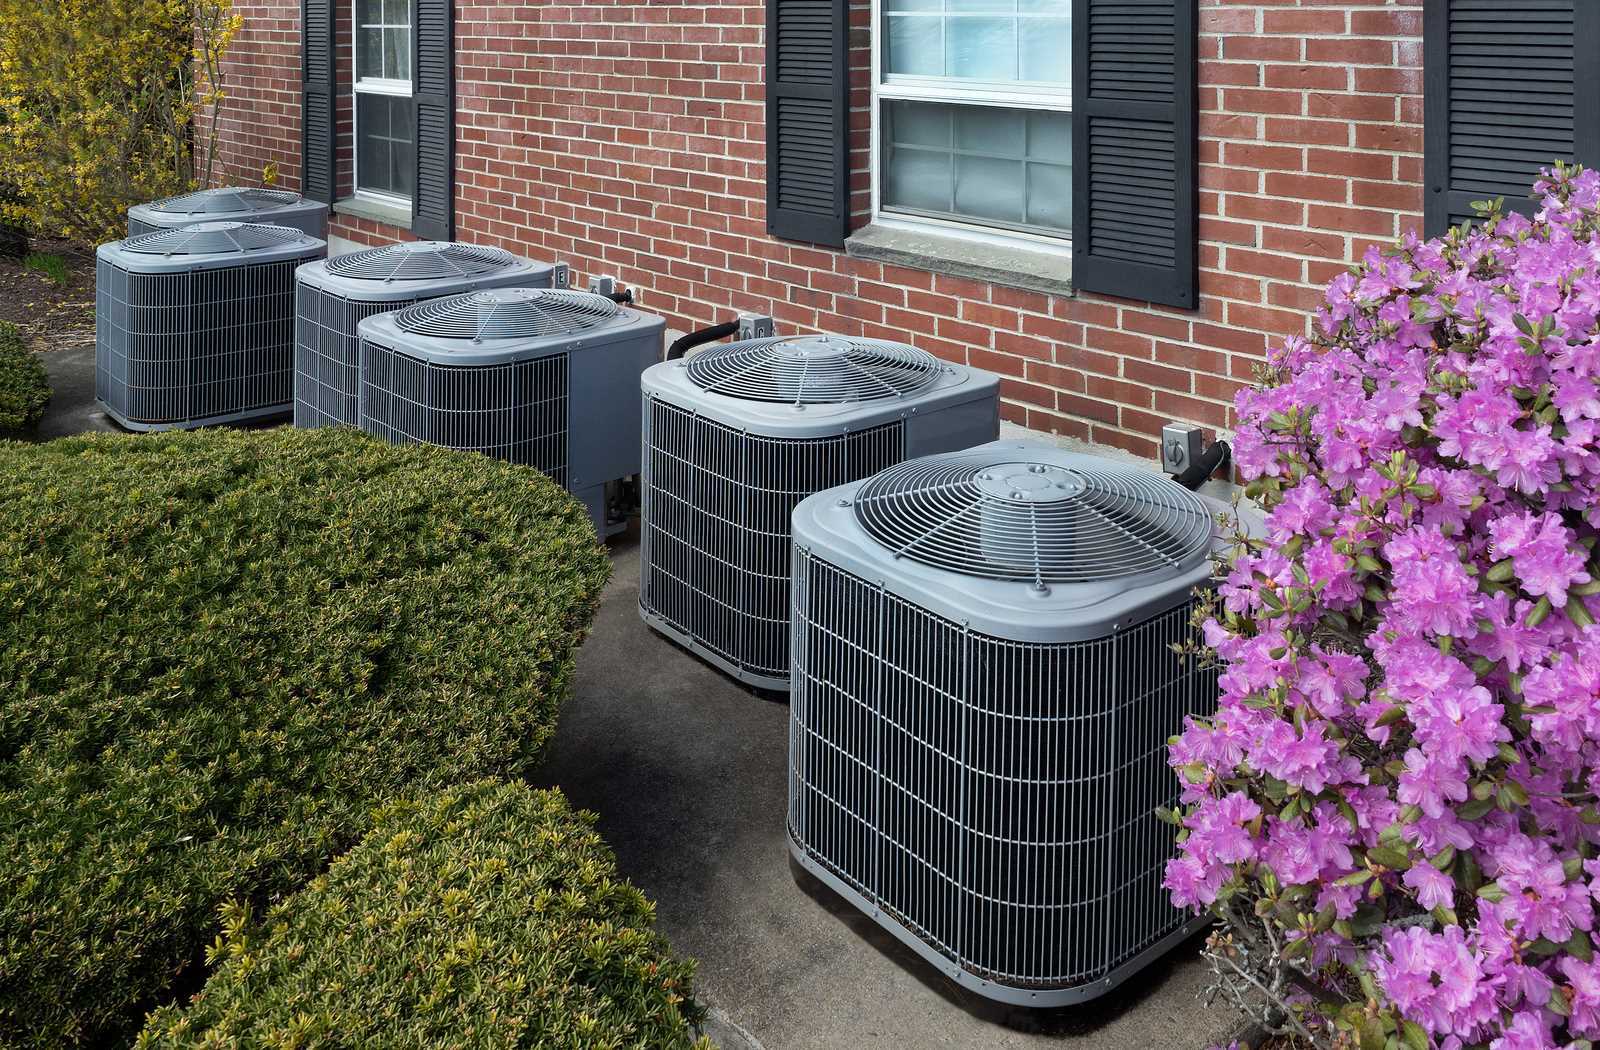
pixel 226 201
pixel 813 370
pixel 421 261
pixel 1035 521
pixel 507 313
pixel 213 238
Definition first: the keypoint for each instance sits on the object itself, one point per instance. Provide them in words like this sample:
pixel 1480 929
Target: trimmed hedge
pixel 24 387
pixel 221 650
pixel 491 916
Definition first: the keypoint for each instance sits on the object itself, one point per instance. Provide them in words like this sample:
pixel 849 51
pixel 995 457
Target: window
pixel 972 114
pixel 385 128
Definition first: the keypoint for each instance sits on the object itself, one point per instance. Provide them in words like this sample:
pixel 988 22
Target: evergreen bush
pixel 221 650
pixel 490 916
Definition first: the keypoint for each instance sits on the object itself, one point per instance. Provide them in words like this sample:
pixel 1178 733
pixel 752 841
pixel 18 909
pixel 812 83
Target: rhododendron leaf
pixel 1500 571
pixel 1391 716
pixel 1587 589
pixel 1492 891
pixel 1514 793
pixel 1413 1036
pixel 1538 613
pixel 1558 1003
pixel 1572 867
pixel 1580 945
pixel 1389 857
pixel 1355 878
pixel 1444 858
pixel 1373 1037
pixel 1369 563
pixel 1367 920
pixel 1579 614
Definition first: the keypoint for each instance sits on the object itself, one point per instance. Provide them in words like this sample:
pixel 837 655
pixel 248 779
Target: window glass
pixel 994 41
pixel 385 144
pixel 383 39
pixel 1008 168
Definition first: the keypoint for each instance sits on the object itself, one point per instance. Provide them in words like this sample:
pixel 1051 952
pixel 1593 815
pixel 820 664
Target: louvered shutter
pixel 433 38
pixel 808 120
pixel 1510 88
pixel 317 125
pixel 1133 149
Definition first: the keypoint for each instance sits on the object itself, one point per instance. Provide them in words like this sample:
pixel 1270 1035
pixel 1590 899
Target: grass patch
pixel 51 267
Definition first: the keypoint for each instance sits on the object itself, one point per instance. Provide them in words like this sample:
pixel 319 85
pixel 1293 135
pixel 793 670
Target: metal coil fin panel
pixel 327 373
pixel 515 411
pixel 182 348
pixel 993 799
pixel 980 514
pixel 813 370
pixel 508 313
pixel 715 526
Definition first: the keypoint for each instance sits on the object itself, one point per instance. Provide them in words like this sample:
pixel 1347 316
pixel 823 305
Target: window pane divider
pixel 976 95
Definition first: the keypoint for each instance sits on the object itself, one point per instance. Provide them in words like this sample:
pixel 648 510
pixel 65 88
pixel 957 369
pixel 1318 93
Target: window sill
pixel 376 211
pixel 1010 267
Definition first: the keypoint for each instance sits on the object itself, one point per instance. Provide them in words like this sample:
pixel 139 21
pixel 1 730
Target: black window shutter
pixel 1509 89
pixel 1134 205
pixel 808 120
pixel 317 124
pixel 433 209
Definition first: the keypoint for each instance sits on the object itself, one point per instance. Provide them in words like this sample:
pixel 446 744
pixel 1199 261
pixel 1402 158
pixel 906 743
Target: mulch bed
pixel 54 316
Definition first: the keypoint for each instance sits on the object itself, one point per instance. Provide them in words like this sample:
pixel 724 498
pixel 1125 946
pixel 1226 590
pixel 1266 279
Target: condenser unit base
pixel 254 415
pixel 1042 998
pixel 750 678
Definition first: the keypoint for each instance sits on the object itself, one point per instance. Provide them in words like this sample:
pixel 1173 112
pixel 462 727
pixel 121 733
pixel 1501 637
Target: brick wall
pixel 260 122
pixel 627 138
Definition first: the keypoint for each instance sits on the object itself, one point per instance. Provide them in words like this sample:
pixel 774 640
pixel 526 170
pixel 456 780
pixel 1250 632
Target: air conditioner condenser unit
pixel 739 433
pixel 195 326
pixel 544 377
pixel 231 204
pixel 984 686
pixel 333 297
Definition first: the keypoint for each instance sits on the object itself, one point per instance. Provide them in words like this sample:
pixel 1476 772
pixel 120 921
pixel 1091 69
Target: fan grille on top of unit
pixel 213 238
pixel 813 370
pixel 226 201
pixel 507 313
pixel 1034 521
pixel 421 261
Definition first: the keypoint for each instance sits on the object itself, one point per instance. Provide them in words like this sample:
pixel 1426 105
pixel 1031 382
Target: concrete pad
pixel 687 770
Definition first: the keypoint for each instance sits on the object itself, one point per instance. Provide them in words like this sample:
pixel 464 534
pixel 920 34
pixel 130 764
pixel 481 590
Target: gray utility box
pixel 231 204
pixel 543 377
pixel 196 326
pixel 984 685
pixel 333 297
pixel 738 434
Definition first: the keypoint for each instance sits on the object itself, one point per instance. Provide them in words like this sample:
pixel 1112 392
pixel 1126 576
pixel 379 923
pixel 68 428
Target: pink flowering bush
pixel 1394 808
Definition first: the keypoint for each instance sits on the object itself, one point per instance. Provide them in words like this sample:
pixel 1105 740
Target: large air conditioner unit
pixel 984 686
pixel 737 435
pixel 333 297
pixel 196 326
pixel 231 204
pixel 544 377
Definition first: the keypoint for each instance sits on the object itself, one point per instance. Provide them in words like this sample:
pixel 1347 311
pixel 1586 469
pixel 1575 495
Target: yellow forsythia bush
pixel 99 102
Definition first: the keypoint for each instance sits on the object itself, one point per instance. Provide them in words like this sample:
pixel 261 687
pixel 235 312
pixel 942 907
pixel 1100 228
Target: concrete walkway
pixel 686 769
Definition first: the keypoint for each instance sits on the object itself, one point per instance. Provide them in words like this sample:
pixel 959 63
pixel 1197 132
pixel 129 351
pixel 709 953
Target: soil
pixel 53 316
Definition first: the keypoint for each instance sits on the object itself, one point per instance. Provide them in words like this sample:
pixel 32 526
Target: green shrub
pixel 490 916
pixel 221 648
pixel 24 387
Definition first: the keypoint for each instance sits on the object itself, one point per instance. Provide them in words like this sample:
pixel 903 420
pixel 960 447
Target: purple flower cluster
pixel 1401 777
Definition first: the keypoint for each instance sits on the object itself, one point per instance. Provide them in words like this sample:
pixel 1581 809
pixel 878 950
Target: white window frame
pixel 374 86
pixel 1012 95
